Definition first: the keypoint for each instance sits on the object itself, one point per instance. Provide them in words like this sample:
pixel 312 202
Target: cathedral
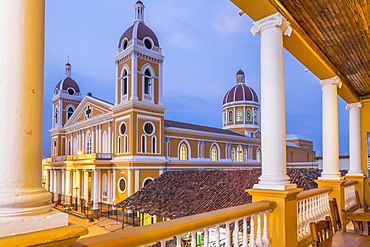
pixel 104 152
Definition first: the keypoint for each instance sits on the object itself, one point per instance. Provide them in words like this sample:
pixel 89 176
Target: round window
pixel 148 44
pixel 147 181
pixel 148 128
pixel 122 185
pixel 122 129
pixel 124 44
pixel 71 91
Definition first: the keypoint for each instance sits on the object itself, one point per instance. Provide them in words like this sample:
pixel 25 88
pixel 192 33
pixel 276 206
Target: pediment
pixel 89 108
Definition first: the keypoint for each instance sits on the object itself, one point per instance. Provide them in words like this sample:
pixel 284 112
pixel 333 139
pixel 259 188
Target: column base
pixel 359 173
pixel 60 236
pixel 274 186
pixel 25 224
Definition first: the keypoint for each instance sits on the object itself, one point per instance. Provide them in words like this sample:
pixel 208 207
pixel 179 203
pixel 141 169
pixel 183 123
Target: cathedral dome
pixel 67 84
pixel 139 31
pixel 240 92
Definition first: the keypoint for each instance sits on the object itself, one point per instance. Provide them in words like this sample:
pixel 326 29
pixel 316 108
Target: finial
pixel 68 71
pixel 139 11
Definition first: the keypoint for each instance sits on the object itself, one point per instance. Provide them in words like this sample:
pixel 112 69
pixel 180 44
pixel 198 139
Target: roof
pixel 142 31
pixel 66 83
pixel 296 137
pixel 170 123
pixel 240 92
pixel 178 194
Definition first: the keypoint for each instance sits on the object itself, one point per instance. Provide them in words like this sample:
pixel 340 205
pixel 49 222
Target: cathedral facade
pixel 104 152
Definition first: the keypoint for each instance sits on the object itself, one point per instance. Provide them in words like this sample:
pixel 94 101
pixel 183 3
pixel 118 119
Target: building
pixel 105 152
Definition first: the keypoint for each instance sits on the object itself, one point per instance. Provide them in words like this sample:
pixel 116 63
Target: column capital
pixel 354 105
pixel 275 20
pixel 331 81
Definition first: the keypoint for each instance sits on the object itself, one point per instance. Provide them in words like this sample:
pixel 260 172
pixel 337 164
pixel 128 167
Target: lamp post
pixel 76 188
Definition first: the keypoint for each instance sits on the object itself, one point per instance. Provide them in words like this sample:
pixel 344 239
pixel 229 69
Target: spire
pixel 240 77
pixel 139 11
pixel 68 69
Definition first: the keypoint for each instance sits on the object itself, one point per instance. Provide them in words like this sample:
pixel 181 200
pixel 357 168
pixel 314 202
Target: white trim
pixel 153 132
pixel 119 189
pixel 145 179
pixel 145 117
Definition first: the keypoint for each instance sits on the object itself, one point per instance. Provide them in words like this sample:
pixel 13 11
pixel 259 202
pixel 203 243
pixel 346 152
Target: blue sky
pixel 204 42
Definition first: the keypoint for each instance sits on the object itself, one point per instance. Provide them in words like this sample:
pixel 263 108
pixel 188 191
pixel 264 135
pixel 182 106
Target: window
pixel 214 154
pixel 233 154
pixel 104 182
pixel 105 142
pixel 183 152
pixel 230 116
pixel 256 115
pixel 71 91
pixel 119 145
pixel 88 143
pixel 124 82
pixel 154 143
pixel 56 116
pixel 122 185
pixel 245 155
pixel 225 117
pixel 148 43
pixel 148 128
pixel 248 115
pixel 239 115
pixel 124 44
pixel 69 112
pixel 147 181
pixel 258 155
pixel 147 82
pixel 239 154
pixel 122 128
pixel 126 144
pixel 143 143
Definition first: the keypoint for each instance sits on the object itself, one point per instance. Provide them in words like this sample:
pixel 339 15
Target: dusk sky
pixel 204 42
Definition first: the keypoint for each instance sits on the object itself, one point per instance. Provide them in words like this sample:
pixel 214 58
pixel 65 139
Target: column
pixel 58 182
pixel 47 179
pixel 109 194
pixel 114 186
pixel 137 179
pixel 78 185
pixel 160 78
pixel 129 182
pixel 83 147
pixel 134 75
pixel 355 168
pixel 273 126
pixel 110 150
pixel 92 140
pixel 52 181
pixel 330 142
pixel 63 185
pixel 24 203
pixel 86 185
pixel 96 190
pixel 68 183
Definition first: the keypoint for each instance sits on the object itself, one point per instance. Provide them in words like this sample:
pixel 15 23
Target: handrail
pixel 351 182
pixel 137 236
pixel 309 193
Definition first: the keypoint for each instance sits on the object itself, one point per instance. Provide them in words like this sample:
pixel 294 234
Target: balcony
pixel 94 156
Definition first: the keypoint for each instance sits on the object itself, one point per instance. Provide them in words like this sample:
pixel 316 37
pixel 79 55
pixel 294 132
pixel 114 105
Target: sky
pixel 205 42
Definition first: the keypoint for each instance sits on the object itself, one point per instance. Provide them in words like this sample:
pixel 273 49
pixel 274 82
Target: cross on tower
pixel 88 112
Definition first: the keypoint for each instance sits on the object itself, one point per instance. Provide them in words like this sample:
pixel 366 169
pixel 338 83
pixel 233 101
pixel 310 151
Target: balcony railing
pixel 349 194
pixel 94 156
pixel 249 224
pixel 313 205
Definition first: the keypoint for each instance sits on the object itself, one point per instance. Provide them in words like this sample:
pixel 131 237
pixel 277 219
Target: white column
pixel 24 203
pixel 137 179
pixel 83 147
pixel 73 185
pixel 114 186
pixel 355 167
pixel 96 190
pixel 330 141
pixel 100 186
pixel 58 182
pixel 109 193
pixel 92 140
pixel 47 179
pixel 129 182
pixel 134 76
pixel 86 185
pixel 78 185
pixel 110 150
pixel 51 180
pixel 63 182
pixel 160 89
pixel 68 182
pixel 273 127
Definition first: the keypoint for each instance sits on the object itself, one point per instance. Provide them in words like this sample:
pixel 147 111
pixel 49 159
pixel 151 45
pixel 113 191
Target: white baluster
pixel 245 232
pixel 265 237
pixel 206 238
pixel 236 233
pixel 163 243
pixel 300 220
pixel 217 236
pixel 178 241
pixel 259 241
pixel 194 239
pixel 252 242
pixel 227 240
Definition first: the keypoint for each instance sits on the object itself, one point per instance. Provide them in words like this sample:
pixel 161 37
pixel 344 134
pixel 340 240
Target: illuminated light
pixel 79 152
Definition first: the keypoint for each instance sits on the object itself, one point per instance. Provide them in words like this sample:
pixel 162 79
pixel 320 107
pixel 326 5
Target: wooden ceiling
pixel 340 30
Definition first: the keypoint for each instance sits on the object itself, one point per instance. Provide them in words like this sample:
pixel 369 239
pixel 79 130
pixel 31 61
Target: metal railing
pixel 94 156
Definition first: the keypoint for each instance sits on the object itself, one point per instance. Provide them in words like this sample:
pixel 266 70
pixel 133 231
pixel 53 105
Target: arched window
pixel 75 146
pixel 225 117
pixel 258 155
pixel 239 152
pixel 105 142
pixel 214 153
pixel 183 152
pixel 239 115
pixel 124 83
pixel 69 112
pixel 245 155
pixel 88 143
pixel 230 116
pixel 56 116
pixel 119 145
pixel 255 115
pixel 154 144
pixel 126 144
pixel 147 181
pixel 233 154
pixel 248 115
pixel 54 147
pixel 147 81
pixel 143 143
pixel 69 147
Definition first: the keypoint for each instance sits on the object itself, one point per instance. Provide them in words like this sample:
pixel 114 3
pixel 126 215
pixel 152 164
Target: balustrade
pixel 349 194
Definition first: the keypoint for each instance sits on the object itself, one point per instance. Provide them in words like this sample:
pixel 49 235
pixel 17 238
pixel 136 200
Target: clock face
pixel 148 128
